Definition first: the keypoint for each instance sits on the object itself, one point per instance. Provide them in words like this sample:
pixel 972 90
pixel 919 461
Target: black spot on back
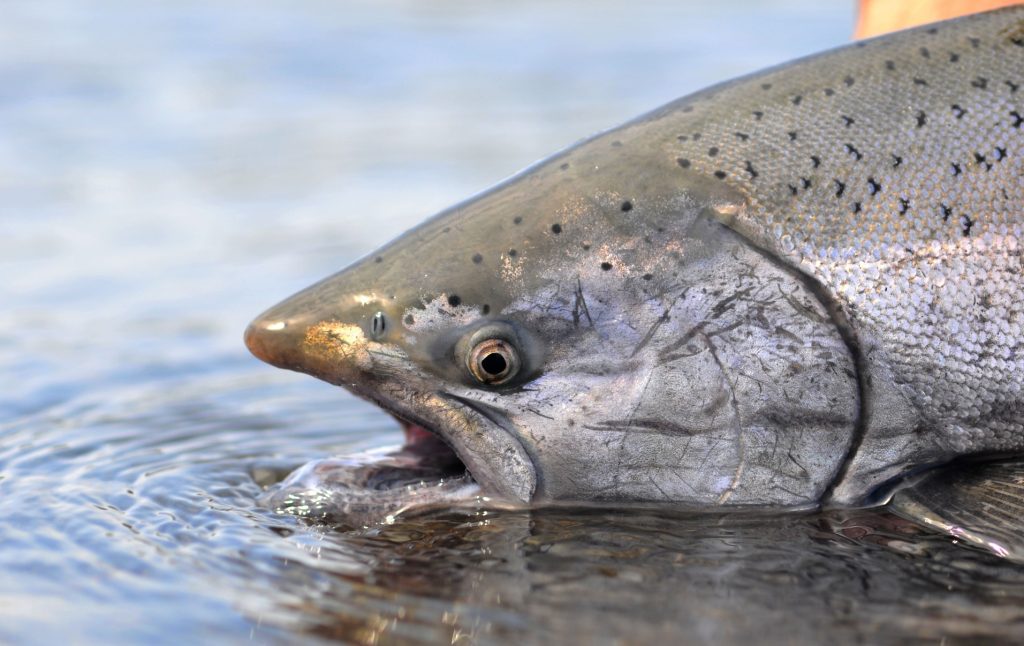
pixel 958 112
pixel 853 151
pixel 513 253
pixel 647 276
pixel 815 160
pixel 904 205
pixel 873 186
pixel 849 121
pixel 684 163
pixel 454 300
pixel 922 118
pixel 605 266
pixel 409 320
pixel 750 169
pixel 924 52
pixel 626 206
pixel 556 228
pixel 712 151
pixel 946 212
pixel 966 223
pixel 1017 119
pixel 848 81
pixel 378 259
pixel 477 259
pixel 486 309
pixel 896 160
pixel 792 135
pixel 720 174
pixel 981 83
pixel 517 220
pixel 840 187
pixel 565 166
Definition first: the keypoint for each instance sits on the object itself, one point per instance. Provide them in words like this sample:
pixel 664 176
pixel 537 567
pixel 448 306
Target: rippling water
pixel 169 169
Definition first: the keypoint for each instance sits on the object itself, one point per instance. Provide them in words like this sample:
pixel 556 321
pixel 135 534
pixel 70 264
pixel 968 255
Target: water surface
pixel 169 169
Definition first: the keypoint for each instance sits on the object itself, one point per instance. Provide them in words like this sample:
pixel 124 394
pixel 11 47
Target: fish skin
pixel 785 290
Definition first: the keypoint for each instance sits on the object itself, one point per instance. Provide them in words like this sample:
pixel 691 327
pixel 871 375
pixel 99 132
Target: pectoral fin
pixel 979 503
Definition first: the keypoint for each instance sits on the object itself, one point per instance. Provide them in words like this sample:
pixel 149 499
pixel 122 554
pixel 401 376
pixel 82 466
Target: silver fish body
pixel 786 290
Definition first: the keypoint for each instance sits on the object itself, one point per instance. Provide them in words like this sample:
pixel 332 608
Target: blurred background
pixel 170 169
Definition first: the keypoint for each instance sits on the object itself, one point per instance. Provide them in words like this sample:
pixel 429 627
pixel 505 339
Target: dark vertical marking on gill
pixel 848 334
pixel 580 306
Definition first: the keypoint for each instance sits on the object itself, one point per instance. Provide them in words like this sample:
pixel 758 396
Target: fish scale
pixel 891 171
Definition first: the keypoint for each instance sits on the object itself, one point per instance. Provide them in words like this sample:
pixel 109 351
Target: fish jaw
pixel 297 335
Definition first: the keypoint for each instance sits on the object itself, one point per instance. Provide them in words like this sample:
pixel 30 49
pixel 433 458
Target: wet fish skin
pixel 790 288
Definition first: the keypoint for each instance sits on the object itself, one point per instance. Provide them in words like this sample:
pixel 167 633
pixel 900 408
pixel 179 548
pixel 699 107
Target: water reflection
pixel 602 576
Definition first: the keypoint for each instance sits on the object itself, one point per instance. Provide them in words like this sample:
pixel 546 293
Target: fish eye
pixel 493 361
pixel 378 324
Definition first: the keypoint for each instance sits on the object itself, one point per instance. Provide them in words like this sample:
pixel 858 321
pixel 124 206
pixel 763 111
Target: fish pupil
pixel 377 324
pixel 494 364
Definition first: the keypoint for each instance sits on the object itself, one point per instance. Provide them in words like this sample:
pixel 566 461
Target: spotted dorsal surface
pixel 892 171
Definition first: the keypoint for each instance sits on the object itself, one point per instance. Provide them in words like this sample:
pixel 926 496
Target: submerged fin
pixel 979 503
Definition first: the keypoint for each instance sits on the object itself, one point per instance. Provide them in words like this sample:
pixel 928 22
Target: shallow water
pixel 168 170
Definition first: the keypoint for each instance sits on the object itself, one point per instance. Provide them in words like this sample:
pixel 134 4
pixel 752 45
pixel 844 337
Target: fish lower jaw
pixel 440 423
pixel 492 480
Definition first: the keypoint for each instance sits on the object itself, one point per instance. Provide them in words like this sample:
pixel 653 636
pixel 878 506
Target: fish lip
pixel 508 471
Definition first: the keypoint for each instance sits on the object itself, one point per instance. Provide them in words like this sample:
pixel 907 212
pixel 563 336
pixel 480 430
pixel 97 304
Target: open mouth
pixel 465 436
pixel 430 455
pixel 377 486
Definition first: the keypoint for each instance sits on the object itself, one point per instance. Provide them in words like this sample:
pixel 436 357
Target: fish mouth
pixel 462 435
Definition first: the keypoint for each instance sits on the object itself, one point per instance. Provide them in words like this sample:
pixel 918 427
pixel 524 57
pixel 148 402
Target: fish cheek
pixel 729 385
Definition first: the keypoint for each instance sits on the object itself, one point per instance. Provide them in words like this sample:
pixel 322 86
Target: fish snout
pixel 277 342
pixel 328 344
